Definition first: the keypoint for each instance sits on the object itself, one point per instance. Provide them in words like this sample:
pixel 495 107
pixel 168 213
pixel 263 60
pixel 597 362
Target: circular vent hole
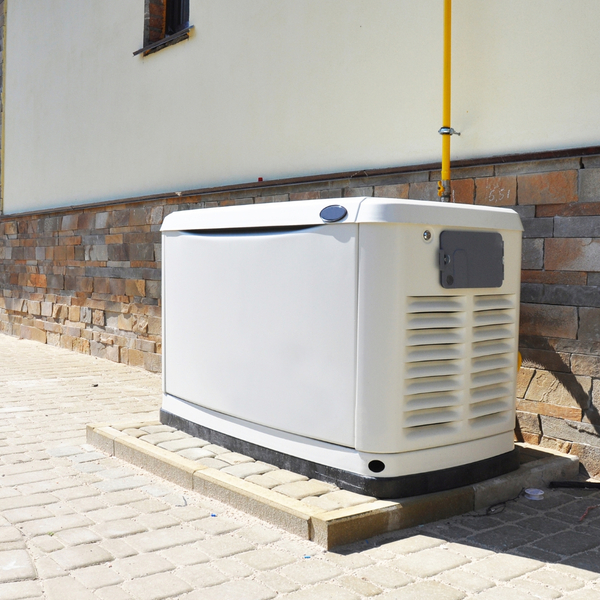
pixel 376 466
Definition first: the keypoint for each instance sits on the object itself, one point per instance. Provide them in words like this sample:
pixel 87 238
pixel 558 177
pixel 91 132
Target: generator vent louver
pixel 434 365
pixel 491 359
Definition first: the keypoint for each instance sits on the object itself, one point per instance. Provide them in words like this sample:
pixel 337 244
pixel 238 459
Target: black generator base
pixel 380 487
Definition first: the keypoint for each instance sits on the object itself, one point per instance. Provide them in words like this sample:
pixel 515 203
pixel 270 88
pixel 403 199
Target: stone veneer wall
pixel 88 278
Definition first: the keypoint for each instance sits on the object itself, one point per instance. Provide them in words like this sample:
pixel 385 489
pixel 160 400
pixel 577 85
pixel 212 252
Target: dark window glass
pixel 177 16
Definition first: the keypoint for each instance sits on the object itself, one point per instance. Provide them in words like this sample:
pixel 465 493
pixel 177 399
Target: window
pixel 166 22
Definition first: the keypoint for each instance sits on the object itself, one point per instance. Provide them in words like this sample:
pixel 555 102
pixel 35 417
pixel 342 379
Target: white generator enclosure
pixel 366 341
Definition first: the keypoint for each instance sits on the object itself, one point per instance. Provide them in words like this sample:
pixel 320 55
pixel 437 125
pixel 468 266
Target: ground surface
pixel 76 524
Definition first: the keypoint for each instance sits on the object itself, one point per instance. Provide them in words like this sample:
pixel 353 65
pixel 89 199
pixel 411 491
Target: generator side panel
pixel 436 361
pixel 262 327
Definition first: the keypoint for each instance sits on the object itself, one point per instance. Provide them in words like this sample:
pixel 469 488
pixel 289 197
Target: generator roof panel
pixel 342 210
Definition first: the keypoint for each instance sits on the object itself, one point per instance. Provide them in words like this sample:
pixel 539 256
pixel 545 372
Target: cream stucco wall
pixel 282 88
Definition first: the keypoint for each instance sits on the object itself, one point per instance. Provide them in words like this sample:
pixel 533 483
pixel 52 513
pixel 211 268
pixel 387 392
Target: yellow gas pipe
pixel 446 130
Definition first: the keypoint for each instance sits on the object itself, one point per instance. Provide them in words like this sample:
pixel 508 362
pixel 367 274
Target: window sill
pixel 174 38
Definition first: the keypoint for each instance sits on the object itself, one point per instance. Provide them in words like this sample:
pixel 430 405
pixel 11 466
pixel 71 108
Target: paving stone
pixel 233 568
pixel 504 538
pixel 504 567
pixel 414 543
pixel 142 565
pixel 197 454
pixel 77 536
pixel 20 589
pixel 213 463
pixel 359 586
pixel 157 429
pixel 54 524
pixel 384 576
pixel 568 542
pixel 429 562
pixel 265 559
pixel 149 505
pixel 119 528
pixel 46 543
pixel 246 469
pixel 118 548
pixel 184 555
pixel 18 501
pixel 157 438
pixel 201 575
pixel 536 589
pixel 432 590
pixel 151 541
pixel 302 489
pixel 84 555
pixel 9 534
pixel 323 590
pixel 275 478
pixel 353 560
pixel 124 483
pixel 224 545
pixel 216 525
pixel 15 565
pixel 258 534
pixel 183 444
pixel 463 580
pixel 321 502
pixel 554 579
pixel 113 593
pixel 157 587
pixel 310 571
pixel 276 582
pixel 66 588
pixel 48 568
pixel 98 576
pixel 244 589
pixel 189 513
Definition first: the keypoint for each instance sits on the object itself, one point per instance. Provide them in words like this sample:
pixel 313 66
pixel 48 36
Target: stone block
pixel 589 322
pixel 33 307
pixel 585 364
pixel 528 422
pixel 532 293
pixel 550 360
pixel 81 345
pixel 524 376
pixel 424 190
pixel 32 333
pixel 357 192
pixel 126 322
pixel 549 321
pixel 273 198
pixel 589 458
pixel 538 227
pixel 113 353
pixel 589 185
pixel 74 313
pixel 153 289
pixel 98 318
pixel 577 227
pixel 554 187
pixel 314 195
pixel 562 389
pixel 572 254
pixel 556 445
pixel 496 191
pixel 532 253
pixel 571 431
pixel 135 358
pixel 573 295
pixel 537 166
pixel 462 191
pixel 152 362
pixel 399 190
pixel 552 410
pixel 135 287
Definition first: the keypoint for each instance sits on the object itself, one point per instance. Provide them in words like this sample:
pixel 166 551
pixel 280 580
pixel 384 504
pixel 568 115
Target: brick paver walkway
pixel 76 524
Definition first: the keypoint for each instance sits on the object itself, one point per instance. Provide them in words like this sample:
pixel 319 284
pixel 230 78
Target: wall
pixel 88 279
pixel 281 88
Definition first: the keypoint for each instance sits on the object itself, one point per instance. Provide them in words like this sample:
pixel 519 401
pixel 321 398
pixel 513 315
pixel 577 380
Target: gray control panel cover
pixel 471 259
